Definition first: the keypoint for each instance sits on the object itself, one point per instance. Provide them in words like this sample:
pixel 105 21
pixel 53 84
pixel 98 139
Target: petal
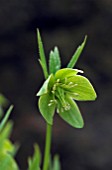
pixel 44 88
pixel 66 73
pixel 82 90
pixel 71 116
pixel 46 110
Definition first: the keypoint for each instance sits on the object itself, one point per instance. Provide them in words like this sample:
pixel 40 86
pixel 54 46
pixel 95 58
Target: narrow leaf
pixel 34 162
pixel 4 121
pixel 72 116
pixel 76 55
pixel 56 163
pixel 46 110
pixel 42 55
pixel 54 61
pixel 6 131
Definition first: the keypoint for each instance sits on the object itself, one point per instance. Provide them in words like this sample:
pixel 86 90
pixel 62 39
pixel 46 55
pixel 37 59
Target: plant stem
pixel 47 147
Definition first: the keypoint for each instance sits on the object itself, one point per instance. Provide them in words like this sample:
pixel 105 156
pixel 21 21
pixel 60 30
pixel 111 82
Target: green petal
pixel 73 115
pixel 44 89
pixel 66 73
pixel 47 111
pixel 82 90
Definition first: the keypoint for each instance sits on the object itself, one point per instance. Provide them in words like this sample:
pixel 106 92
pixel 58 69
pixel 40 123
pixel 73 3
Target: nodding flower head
pixel 59 92
pixel 63 86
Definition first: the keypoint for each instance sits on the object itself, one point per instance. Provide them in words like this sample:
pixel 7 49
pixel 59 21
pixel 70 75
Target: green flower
pixel 62 87
pixel 59 92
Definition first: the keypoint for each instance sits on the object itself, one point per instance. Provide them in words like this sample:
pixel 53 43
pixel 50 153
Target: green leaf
pixel 46 110
pixel 56 163
pixel 71 116
pixel 66 73
pixel 42 55
pixel 45 87
pixel 7 162
pixel 8 146
pixel 54 61
pixel 82 90
pixel 4 142
pixel 6 131
pixel 76 55
pixel 4 121
pixel 34 162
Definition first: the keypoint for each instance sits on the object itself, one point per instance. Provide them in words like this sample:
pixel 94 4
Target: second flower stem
pixel 47 147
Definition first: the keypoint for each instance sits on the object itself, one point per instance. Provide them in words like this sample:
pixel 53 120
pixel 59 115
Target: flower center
pixel 59 95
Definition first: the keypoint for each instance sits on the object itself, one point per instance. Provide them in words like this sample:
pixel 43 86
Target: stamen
pixel 52 91
pixel 70 83
pixel 58 80
pixel 54 87
pixel 51 101
pixel 57 110
pixel 67 107
pixel 50 104
pixel 76 94
pixel 75 84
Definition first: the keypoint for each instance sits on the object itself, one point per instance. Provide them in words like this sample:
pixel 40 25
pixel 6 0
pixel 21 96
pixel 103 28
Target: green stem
pixel 47 147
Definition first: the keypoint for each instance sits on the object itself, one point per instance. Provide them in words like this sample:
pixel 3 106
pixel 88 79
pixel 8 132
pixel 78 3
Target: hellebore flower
pixel 59 92
pixel 62 87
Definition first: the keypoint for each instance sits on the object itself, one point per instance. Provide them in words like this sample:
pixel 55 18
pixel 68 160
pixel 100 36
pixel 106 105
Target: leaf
pixel 72 116
pixel 7 162
pixel 4 135
pixel 4 121
pixel 54 61
pixel 47 111
pixel 42 55
pixel 44 89
pixel 34 162
pixel 56 163
pixel 76 55
pixel 66 73
pixel 83 90
pixel 8 146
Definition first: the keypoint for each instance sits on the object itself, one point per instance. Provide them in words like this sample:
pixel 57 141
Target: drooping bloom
pixel 62 87
pixel 59 92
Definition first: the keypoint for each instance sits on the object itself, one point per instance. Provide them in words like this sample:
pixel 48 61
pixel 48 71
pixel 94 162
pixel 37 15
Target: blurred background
pixel 64 24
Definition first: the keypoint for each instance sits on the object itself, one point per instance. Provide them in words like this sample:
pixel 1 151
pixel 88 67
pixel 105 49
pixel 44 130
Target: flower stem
pixel 47 147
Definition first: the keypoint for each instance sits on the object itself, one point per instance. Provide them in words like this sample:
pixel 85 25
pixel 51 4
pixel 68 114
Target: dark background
pixel 63 23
